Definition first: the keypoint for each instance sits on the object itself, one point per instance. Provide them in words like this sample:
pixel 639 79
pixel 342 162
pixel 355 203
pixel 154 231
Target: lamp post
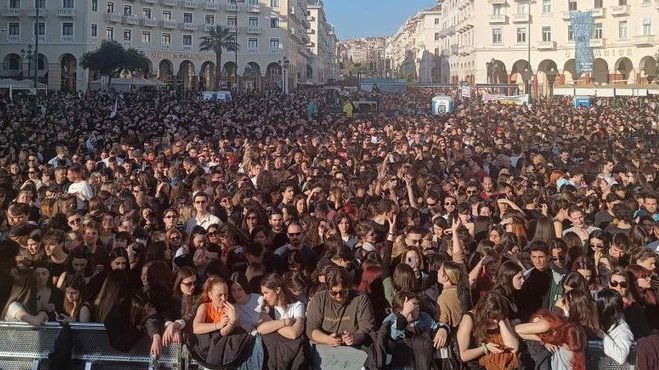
pixel 284 64
pixel 27 57
pixel 528 53
pixel 551 76
pixel 36 44
pixel 236 40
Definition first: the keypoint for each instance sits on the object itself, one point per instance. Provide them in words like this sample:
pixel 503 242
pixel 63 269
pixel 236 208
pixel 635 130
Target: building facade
pixel 322 44
pixel 272 35
pixel 531 43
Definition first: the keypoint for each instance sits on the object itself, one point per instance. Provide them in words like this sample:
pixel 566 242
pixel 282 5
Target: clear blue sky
pixel 363 18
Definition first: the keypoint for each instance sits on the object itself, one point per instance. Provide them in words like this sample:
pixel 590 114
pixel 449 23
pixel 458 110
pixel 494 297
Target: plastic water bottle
pixel 153 363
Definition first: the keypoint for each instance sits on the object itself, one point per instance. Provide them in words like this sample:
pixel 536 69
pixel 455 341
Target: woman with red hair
pixel 371 285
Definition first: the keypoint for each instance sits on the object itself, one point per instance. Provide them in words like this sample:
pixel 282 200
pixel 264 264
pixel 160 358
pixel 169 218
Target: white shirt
pixel 84 188
pixel 13 310
pixel 205 222
pixel 292 311
pixel 618 341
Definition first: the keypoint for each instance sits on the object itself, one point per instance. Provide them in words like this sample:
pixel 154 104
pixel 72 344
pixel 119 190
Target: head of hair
pixel 491 307
pixel 609 308
pixel 504 279
pixel 211 282
pixel 277 283
pixel 404 279
pixel 112 290
pixel 582 308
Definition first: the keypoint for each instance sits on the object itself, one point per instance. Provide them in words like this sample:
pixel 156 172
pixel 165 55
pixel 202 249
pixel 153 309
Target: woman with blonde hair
pixel 454 298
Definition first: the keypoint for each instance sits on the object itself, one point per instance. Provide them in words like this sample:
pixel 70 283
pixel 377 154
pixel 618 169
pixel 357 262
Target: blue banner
pixel 582 29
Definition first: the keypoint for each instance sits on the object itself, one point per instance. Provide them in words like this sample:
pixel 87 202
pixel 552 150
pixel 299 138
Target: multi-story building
pixel 272 35
pixel 531 43
pixel 322 44
pixel 366 53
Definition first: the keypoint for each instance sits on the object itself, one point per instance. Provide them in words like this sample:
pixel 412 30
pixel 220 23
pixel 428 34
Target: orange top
pixel 212 315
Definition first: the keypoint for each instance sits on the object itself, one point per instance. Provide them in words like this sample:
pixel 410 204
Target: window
pixel 436 36
pixel 40 28
pixel 231 21
pixel 110 7
pixel 14 29
pixel 274 45
pixel 546 6
pixel 42 3
pixel 572 5
pixel 546 33
pixel 570 33
pixel 522 8
pixel 187 40
pixel 598 4
pixel 597 31
pixel 622 30
pixel 496 36
pixel 274 22
pixel 253 44
pixel 187 17
pixel 94 5
pixel 166 38
pixel 253 22
pixel 67 29
pixel 146 37
pixel 274 3
pixel 436 21
pixel 128 35
pixel 645 2
pixel 94 31
pixel 209 20
pixel 109 33
pixel 166 15
pixel 14 4
pixel 647 27
pixel 68 4
pixel 496 9
pixel 146 13
pixel 232 1
pixel 128 10
pixel 622 2
pixel 521 35
pixel 253 2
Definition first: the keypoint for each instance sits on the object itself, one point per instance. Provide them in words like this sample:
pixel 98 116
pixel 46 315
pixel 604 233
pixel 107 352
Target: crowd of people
pixel 261 233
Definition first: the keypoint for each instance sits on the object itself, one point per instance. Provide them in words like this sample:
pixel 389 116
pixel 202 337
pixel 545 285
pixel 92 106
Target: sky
pixel 365 18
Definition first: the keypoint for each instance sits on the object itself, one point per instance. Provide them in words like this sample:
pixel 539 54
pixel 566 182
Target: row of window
pixel 209 19
pixel 16 4
pixel 547 6
pixel 497 33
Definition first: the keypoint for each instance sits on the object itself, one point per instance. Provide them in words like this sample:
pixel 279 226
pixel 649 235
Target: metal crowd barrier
pixel 23 346
pixel 26 347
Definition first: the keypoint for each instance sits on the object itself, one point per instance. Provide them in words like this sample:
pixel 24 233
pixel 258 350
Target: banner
pixel 465 91
pixel 506 99
pixel 582 29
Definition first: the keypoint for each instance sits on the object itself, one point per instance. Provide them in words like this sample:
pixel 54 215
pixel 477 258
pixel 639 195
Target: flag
pixel 114 111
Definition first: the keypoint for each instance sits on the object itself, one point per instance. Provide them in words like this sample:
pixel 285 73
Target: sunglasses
pixel 339 293
pixel 294 234
pixel 75 221
pixel 614 284
pixel 449 204
pixel 175 238
pixel 170 216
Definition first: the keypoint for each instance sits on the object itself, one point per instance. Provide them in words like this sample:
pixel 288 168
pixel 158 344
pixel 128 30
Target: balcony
pixel 211 5
pixel 275 51
pixel 254 29
pixel 597 43
pixel 66 12
pixel 150 1
pixel 547 45
pixel 128 44
pixel 233 8
pixel 11 12
pixel 113 17
pixel 190 27
pixel 169 24
pixel 521 18
pixel 190 4
pixel 252 51
pixel 186 48
pixel 454 49
pixel 644 40
pixel 254 8
pixel 33 12
pixel 598 13
pixel 166 46
pixel 170 2
pixel 232 28
pixel 565 16
pixel 131 19
pixel 499 2
pixel 150 22
pixel 619 10
pixel 67 39
pixel 498 18
pixel 311 31
pixel 14 38
pixel 93 40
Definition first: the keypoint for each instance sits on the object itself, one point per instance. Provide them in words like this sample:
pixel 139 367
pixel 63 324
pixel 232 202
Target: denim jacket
pixel 423 323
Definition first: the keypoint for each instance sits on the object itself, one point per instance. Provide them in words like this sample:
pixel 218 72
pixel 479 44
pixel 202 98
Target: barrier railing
pixel 23 346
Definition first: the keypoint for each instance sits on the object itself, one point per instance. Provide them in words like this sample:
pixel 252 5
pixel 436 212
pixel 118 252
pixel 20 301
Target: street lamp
pixel 27 57
pixel 551 76
pixel 284 65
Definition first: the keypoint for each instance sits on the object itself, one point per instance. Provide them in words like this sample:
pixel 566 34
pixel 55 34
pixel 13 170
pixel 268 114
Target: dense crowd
pixel 290 232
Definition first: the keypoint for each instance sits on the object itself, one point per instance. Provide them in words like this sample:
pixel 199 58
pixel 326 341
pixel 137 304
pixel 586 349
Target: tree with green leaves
pixel 111 58
pixel 216 40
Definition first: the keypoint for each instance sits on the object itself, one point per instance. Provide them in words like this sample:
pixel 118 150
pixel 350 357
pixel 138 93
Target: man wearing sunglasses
pixel 338 320
pixel 280 258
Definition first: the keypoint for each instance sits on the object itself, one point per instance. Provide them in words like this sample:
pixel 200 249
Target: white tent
pixel 20 84
pixel 125 84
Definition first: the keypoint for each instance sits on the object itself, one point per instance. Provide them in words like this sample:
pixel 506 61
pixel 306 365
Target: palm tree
pixel 216 39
